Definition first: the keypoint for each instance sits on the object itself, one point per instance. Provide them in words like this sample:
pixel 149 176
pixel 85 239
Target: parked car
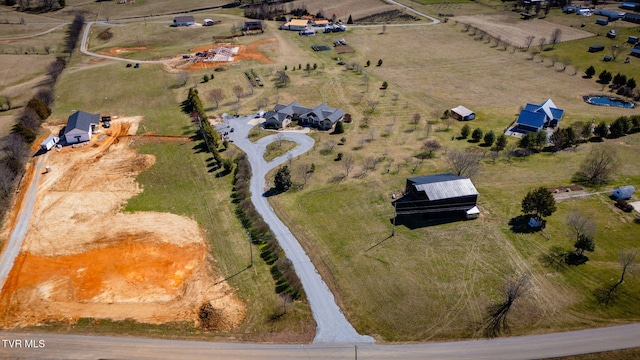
pixel 106 124
pixel 129 65
pixel 611 34
pixel 137 65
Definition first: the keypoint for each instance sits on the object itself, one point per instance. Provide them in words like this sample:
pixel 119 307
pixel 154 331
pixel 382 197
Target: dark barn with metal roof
pixel 443 194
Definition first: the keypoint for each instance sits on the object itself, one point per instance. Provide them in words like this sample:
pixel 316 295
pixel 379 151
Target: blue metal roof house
pixel 534 118
pixel 635 51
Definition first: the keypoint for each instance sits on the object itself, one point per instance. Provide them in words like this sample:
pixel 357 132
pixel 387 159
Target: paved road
pixel 332 326
pixel 514 348
pixel 410 9
pixel 14 243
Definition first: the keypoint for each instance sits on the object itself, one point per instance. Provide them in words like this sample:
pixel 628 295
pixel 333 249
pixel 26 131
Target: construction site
pixel 82 257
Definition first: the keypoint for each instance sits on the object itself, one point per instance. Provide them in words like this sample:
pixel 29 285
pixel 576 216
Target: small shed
pixel 632 39
pixel 534 222
pixel 602 21
pixel 184 21
pixel 48 143
pixel 462 113
pixel 635 51
pixel 624 192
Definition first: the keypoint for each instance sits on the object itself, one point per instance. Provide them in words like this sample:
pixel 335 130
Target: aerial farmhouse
pixel 534 118
pixel 80 127
pixel 322 117
pixel 438 195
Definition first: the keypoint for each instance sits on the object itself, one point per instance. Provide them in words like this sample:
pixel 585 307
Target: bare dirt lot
pixel 511 28
pixel 82 257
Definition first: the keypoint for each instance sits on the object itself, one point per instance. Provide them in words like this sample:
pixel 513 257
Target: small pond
pixel 603 100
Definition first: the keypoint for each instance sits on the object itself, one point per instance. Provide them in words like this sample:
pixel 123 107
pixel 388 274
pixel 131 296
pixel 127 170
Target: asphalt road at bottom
pixel 52 346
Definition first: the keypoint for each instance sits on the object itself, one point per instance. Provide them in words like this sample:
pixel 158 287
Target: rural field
pixel 430 281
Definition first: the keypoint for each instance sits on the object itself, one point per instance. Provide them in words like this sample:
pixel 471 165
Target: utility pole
pixel 250 248
pixel 356 352
pixel 395 215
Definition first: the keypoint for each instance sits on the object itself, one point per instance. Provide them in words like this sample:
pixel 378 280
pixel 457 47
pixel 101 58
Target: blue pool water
pixel 610 101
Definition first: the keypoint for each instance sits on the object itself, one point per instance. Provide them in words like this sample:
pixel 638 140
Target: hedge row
pixel 287 281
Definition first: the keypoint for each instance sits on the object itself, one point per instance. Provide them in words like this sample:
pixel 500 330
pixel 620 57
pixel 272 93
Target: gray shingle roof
pixel 81 120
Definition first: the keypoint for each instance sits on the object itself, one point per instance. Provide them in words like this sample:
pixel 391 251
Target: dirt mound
pixel 82 257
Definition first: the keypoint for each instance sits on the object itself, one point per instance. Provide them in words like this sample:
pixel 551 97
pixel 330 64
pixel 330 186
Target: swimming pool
pixel 609 101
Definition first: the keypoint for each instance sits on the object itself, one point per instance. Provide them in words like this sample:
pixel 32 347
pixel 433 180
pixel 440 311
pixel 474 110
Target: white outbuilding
pixel 462 113
pixel 48 143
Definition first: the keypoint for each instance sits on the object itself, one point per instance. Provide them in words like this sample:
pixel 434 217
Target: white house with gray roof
pixel 80 127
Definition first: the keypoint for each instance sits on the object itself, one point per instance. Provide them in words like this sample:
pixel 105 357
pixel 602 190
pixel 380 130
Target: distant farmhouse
pixel 296 25
pixel 322 116
pixel 80 127
pixel 438 195
pixel 534 118
pixel 187 20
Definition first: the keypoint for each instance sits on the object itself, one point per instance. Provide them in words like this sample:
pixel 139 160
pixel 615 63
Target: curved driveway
pixel 331 325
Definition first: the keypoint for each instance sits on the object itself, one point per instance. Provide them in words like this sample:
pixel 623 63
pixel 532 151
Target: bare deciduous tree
pixel 279 138
pixel 347 164
pixel 615 50
pixel 495 322
pixel 609 293
pixel 373 104
pixel 430 146
pixel 581 224
pixel 541 43
pixel 599 165
pixel 555 37
pixel 416 120
pixel 464 163
pixel 216 95
pixel 328 146
pixel 238 91
pixel 304 171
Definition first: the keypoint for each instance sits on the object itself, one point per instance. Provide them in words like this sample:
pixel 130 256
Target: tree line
pixel 37 5
pixel 15 150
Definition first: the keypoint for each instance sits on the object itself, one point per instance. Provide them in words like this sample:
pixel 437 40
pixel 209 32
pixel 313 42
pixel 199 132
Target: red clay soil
pixel 82 257
pixel 246 52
